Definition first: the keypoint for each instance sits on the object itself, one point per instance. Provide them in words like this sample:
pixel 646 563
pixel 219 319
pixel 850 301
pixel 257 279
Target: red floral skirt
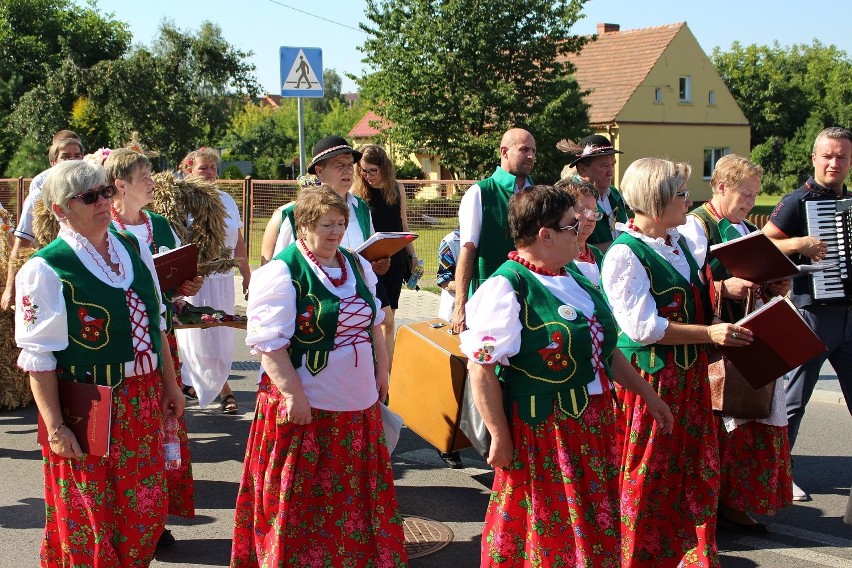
pixel 757 473
pixel 179 483
pixel 321 494
pixel 670 483
pixel 557 504
pixel 109 511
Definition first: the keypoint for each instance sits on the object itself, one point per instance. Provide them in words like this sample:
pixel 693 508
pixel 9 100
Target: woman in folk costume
pixel 317 486
pixel 555 496
pixel 207 354
pixel 130 172
pixel 755 454
pixel 590 258
pixel 669 483
pixel 88 308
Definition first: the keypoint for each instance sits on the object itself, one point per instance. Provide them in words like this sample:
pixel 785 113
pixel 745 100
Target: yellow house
pixel 654 92
pixel 369 130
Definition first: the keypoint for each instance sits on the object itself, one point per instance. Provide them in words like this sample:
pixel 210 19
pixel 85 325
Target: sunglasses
pixel 370 171
pixel 574 227
pixel 91 196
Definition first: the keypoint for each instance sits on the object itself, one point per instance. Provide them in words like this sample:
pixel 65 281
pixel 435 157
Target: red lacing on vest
pixel 142 362
pixel 597 333
pixel 353 323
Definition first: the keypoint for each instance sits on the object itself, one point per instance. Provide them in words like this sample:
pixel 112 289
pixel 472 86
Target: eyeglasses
pixel 370 171
pixel 684 194
pixel 574 227
pixel 590 214
pixel 91 196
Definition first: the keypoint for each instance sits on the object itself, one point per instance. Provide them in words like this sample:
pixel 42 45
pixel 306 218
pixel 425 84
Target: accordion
pixel 831 222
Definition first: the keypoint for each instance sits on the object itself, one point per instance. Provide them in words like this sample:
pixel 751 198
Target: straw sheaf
pixel 14 384
pixel 45 223
pixel 177 199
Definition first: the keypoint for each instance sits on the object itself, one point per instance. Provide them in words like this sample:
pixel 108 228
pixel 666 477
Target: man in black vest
pixel 831 320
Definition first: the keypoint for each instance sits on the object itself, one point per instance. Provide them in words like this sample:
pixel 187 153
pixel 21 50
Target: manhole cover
pixel 425 536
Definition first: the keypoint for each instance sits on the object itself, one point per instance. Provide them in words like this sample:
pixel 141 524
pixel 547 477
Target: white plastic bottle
pixel 171 444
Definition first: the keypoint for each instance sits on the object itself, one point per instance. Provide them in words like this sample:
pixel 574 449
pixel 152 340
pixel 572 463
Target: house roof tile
pixel 365 127
pixel 614 65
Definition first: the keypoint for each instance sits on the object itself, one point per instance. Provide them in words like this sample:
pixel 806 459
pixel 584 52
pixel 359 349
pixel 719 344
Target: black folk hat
pixel 329 147
pixel 592 147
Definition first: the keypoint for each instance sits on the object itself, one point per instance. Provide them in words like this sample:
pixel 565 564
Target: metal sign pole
pixel 301 137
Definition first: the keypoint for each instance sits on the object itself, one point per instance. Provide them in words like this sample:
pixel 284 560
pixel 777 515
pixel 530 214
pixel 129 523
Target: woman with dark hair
pixel 554 501
pixel 376 184
pixel 317 486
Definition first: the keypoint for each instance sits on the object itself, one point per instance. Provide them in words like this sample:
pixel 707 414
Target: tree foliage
pixel 788 95
pixel 178 95
pixel 270 135
pixel 452 76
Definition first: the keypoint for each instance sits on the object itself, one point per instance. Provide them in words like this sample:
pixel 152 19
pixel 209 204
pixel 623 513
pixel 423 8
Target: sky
pixel 263 26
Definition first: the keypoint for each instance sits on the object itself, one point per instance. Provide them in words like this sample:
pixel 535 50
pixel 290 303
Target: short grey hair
pixel 649 184
pixel 67 179
pixel 834 133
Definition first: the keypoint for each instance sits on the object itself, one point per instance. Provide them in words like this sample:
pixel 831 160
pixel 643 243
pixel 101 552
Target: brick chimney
pixel 608 28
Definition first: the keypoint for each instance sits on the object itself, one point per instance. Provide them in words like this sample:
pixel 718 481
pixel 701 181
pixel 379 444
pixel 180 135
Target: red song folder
pixel 176 266
pixel 87 412
pixel 782 342
pixel 383 245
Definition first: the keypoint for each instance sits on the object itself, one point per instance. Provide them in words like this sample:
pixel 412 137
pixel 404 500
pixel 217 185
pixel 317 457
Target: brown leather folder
pixel 427 383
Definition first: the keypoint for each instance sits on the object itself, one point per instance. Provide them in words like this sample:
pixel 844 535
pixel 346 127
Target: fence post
pixel 247 221
pixel 20 199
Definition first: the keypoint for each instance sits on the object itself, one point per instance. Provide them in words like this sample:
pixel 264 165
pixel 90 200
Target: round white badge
pixel 567 312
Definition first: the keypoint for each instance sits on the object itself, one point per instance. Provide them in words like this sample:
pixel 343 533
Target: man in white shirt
pixel 483 218
pixel 66 145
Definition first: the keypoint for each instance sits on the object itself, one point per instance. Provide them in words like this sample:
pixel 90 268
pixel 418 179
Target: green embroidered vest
pixel 603 229
pixel 675 299
pixel 721 231
pixel 99 328
pixel 556 360
pixel 495 240
pixel 317 309
pixel 164 237
pixel 362 216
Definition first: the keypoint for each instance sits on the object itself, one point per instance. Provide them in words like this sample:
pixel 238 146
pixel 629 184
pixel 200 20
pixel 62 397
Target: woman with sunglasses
pixel 669 483
pixel 589 260
pixel 89 310
pixel 555 494
pixel 376 184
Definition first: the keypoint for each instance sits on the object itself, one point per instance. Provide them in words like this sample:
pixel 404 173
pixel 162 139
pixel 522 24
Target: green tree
pixel 37 38
pixel 788 95
pixel 453 76
pixel 178 95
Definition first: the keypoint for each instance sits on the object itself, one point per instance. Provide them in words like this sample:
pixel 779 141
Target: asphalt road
pixel 805 535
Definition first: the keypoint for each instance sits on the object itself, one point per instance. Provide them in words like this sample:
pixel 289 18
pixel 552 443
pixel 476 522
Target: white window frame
pixel 714 154
pixel 658 95
pixel 685 89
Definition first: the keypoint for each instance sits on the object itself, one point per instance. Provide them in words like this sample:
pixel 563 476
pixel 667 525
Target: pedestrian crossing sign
pixel 301 72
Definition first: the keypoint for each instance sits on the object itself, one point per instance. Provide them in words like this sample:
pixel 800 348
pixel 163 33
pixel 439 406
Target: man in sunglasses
pixel 66 145
pixel 484 218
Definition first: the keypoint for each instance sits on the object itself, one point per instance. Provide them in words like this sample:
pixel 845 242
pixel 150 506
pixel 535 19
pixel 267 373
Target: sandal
pixel 229 404
pixel 189 392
